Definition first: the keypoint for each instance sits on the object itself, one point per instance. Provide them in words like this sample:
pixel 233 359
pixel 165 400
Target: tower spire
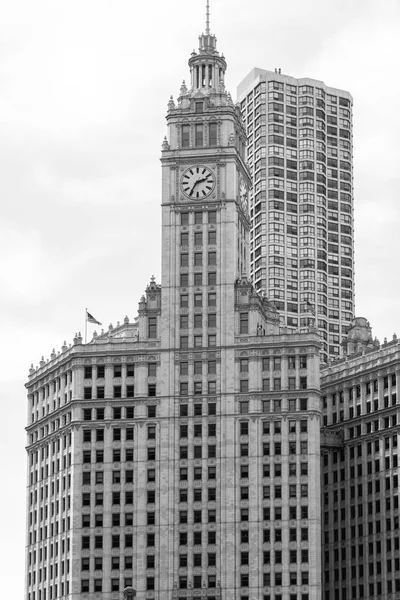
pixel 208 17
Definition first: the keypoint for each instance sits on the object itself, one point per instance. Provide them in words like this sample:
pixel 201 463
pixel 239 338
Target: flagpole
pixel 85 324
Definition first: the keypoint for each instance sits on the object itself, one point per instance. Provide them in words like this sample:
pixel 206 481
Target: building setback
pixel 301 203
pixel 360 469
pixel 180 454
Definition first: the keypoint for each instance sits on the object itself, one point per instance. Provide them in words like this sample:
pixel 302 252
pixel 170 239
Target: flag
pixel 91 319
pixel 310 308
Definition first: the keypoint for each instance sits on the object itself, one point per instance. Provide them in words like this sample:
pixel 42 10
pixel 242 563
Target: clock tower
pixel 205 221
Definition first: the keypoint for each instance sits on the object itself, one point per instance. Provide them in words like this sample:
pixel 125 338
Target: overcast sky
pixel 84 86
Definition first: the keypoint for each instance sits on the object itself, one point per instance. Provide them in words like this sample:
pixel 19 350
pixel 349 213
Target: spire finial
pixel 208 17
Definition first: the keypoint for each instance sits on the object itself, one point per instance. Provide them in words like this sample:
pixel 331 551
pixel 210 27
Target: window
pixel 198 259
pixel 244 323
pixel 151 389
pixel 212 134
pixel 212 320
pixel 151 432
pixel 212 278
pixel 212 473
pixel 185 142
pixel 212 408
pixel 87 435
pixel 198 300
pixel 152 369
pixel 151 411
pixel 212 299
pixel 198 140
pixel 212 238
pixel 244 385
pixel 87 414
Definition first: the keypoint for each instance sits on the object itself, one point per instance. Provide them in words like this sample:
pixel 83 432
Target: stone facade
pixel 180 454
pixel 360 502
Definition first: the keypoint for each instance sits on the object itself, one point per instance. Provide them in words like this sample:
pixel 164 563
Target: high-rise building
pixel 301 202
pixel 360 469
pixel 180 454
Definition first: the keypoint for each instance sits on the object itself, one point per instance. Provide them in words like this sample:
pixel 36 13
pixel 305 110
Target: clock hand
pixel 193 186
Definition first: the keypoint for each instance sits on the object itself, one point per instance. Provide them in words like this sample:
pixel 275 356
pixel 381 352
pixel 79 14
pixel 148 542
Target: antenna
pixel 208 18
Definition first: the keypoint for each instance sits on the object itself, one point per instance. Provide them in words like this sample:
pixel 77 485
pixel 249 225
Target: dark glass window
pixel 185 136
pixel 212 134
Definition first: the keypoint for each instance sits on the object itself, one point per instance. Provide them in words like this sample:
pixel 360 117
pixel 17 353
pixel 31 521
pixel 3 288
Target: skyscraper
pixel 181 455
pixel 301 202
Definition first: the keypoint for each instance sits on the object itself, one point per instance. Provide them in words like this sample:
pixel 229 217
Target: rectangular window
pixel 198 300
pixel 212 320
pixel 198 141
pixel 130 370
pixel 185 141
pixel 244 385
pixel 198 279
pixel 212 134
pixel 212 238
pixel 244 323
pixel 152 369
pixel 152 327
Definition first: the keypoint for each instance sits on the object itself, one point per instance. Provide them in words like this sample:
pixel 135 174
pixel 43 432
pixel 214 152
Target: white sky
pixel 84 86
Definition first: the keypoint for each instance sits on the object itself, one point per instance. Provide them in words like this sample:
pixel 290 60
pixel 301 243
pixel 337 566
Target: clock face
pixel 243 193
pixel 198 182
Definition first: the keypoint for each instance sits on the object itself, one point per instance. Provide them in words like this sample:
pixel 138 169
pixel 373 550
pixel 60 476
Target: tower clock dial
pixel 198 182
pixel 243 191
